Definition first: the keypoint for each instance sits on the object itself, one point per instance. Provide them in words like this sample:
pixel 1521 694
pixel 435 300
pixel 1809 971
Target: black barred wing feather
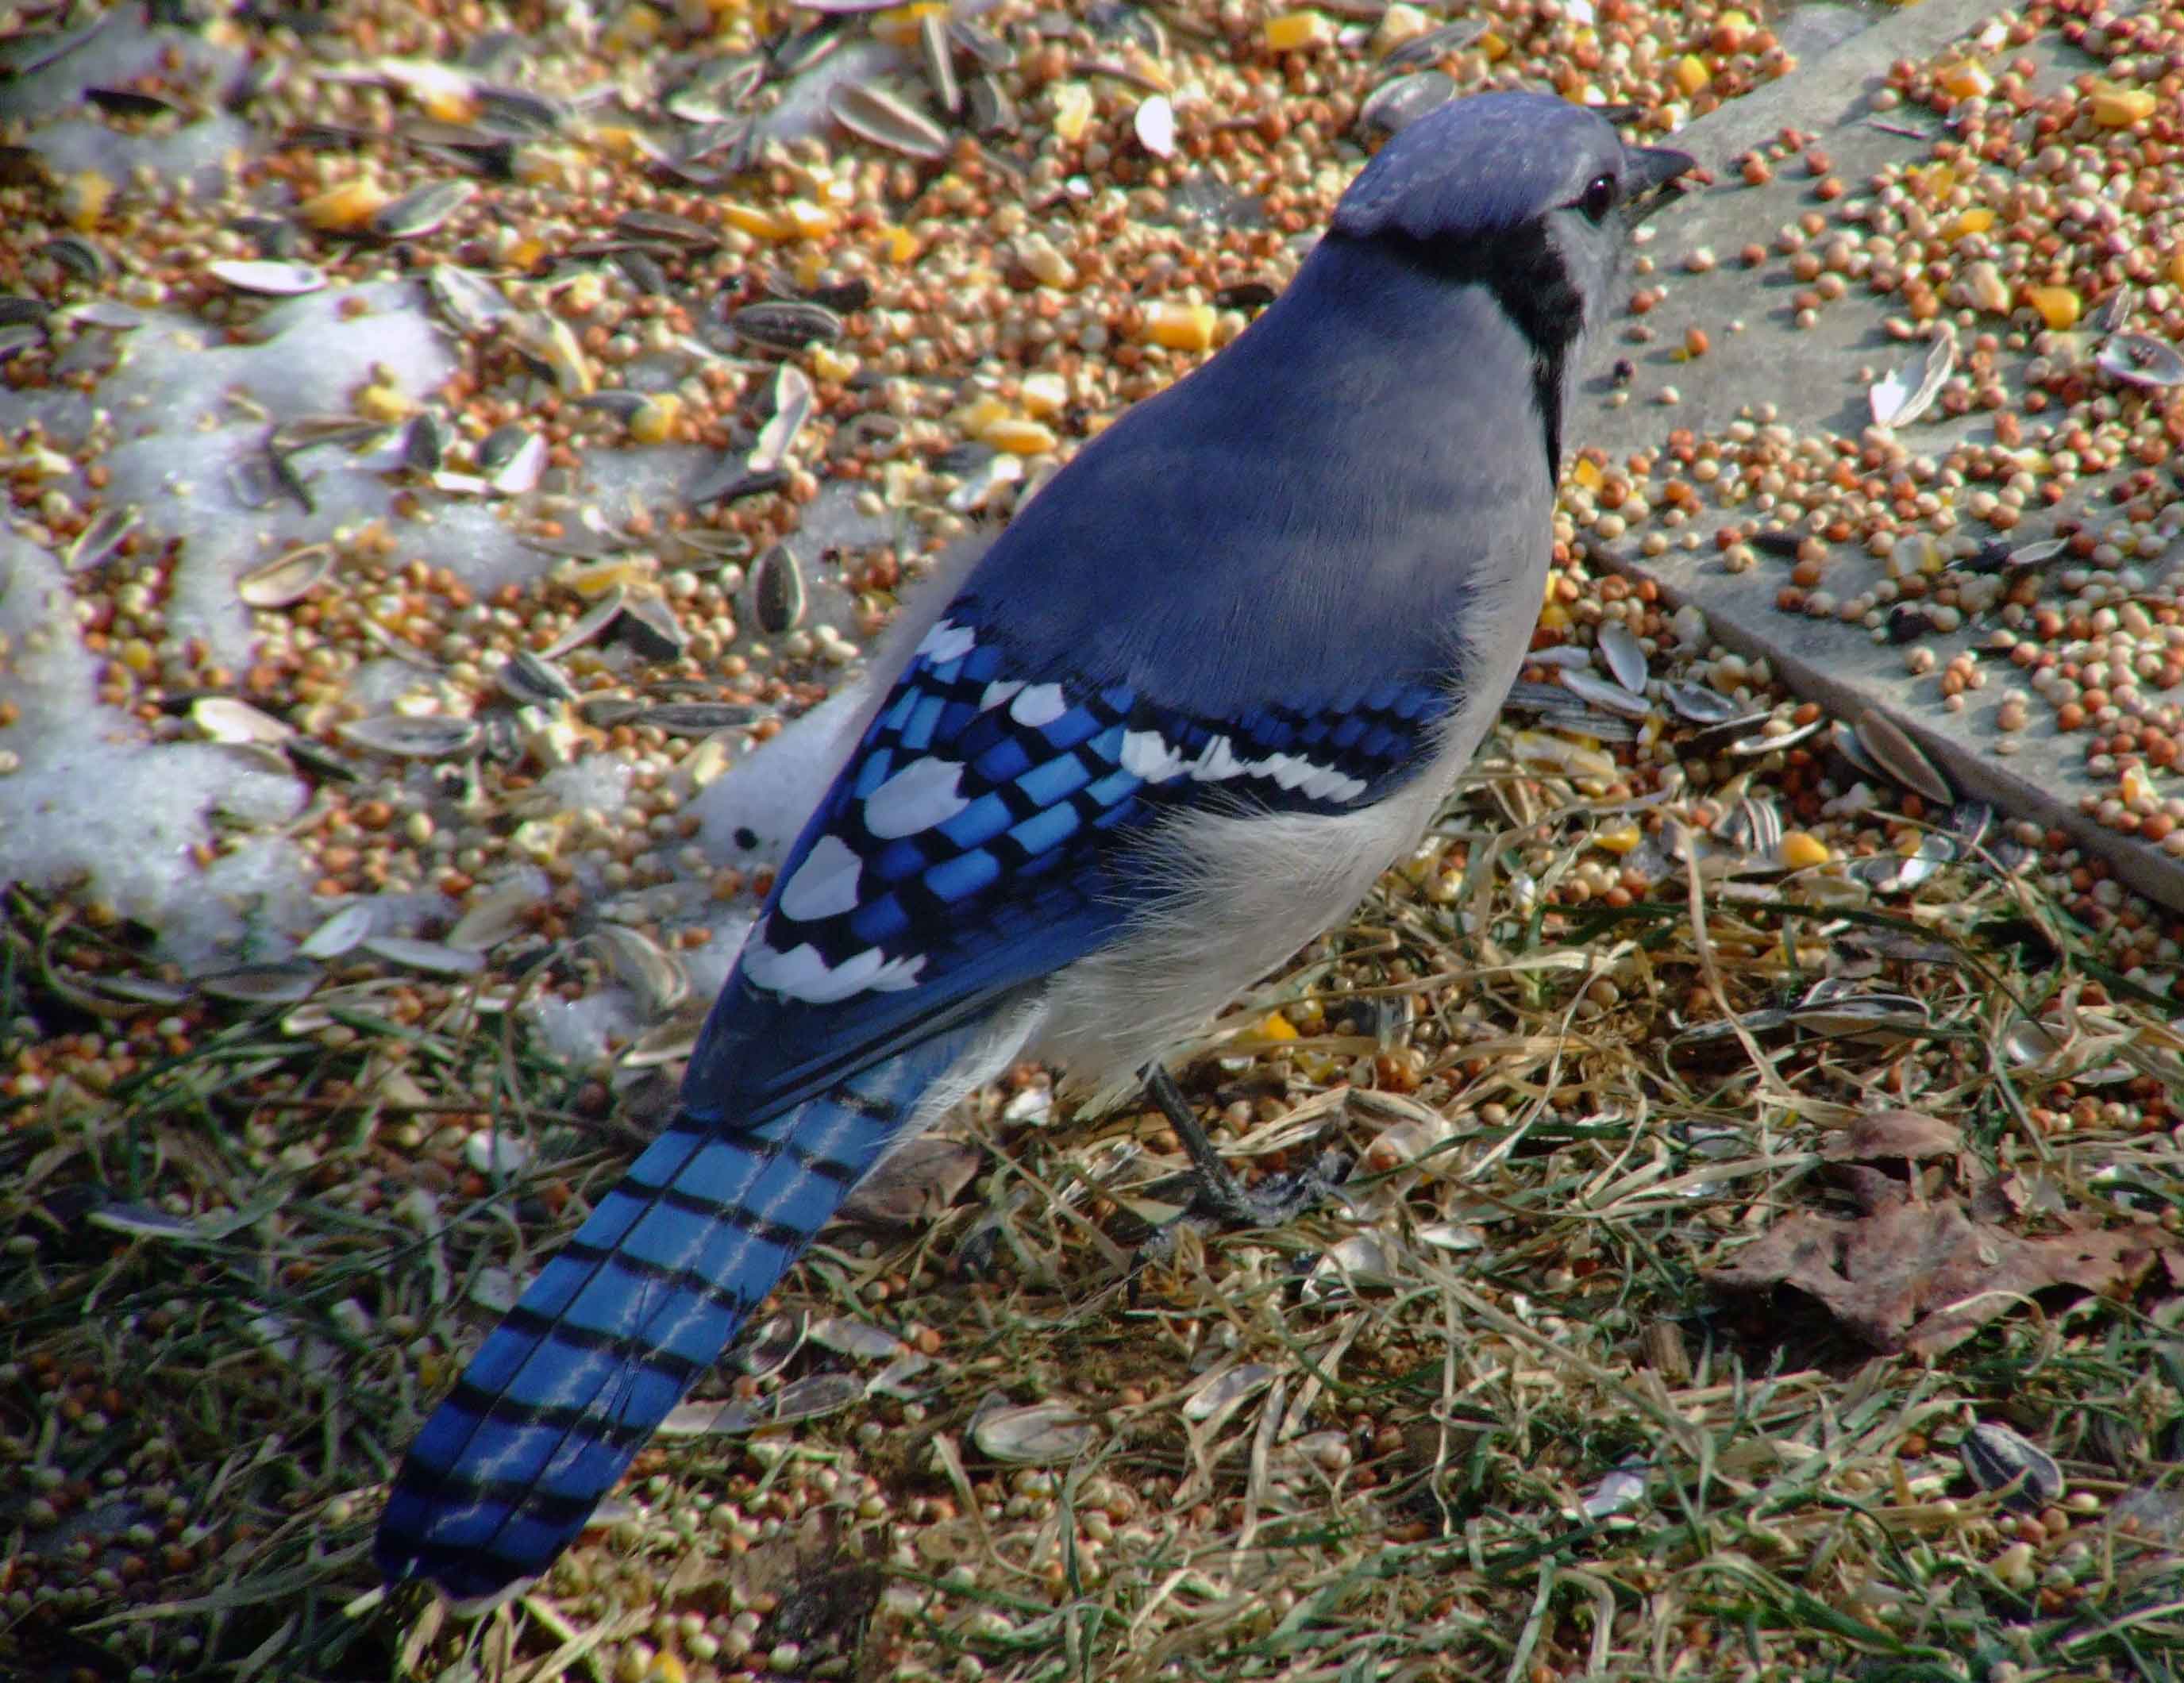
pixel 978 840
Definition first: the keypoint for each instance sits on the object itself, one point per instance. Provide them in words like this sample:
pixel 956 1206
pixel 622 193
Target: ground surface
pixel 1762 1163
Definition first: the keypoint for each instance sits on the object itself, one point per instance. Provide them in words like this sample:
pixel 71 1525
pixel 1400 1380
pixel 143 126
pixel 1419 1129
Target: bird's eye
pixel 1598 198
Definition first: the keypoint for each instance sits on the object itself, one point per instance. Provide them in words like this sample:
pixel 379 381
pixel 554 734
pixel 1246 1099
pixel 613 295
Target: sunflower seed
pixel 792 408
pixel 872 114
pixel 413 736
pixel 100 538
pixel 472 303
pixel 2000 1459
pixel 432 957
pixel 664 227
pixel 1154 124
pixel 785 324
pixel 1830 1008
pixel 713 547
pixel 500 913
pixel 18 337
pixel 1898 757
pixel 421 210
pixel 649 626
pixel 860 1340
pixel 1223 1392
pixel 224 719
pixel 697 718
pixel 266 276
pixel 992 112
pixel 803 1399
pixel 535 682
pixel 1699 703
pixel 981 44
pixel 425 445
pixel 1037 1433
pixel 2142 359
pixel 778 592
pixel 339 933
pixel 1612 698
pixel 2116 310
pixel 546 343
pixel 590 624
pixel 17 310
pixel 263 983
pixel 717 90
pixel 82 257
pixel 936 53
pixel 1396 104
pixel 657 977
pixel 286 578
pixel 1618 647
pixel 801 51
pixel 1766 740
pixel 1435 43
pixel 520 471
pixel 1907 394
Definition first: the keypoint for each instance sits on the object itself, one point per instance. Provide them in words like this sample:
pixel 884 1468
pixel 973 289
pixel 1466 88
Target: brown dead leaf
pixel 1923 1278
pixel 1911 1136
pixel 916 1184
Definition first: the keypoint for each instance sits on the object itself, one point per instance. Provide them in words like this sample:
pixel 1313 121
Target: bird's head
pixel 1526 198
pixel 1512 187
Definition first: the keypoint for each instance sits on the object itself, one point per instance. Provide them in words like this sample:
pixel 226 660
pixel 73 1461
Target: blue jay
pixel 1210 683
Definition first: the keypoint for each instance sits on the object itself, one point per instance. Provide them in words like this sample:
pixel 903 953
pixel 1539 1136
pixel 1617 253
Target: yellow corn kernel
pixel 1555 617
pixel 1297 31
pixel 2176 265
pixel 1801 850
pixel 829 364
pixel 84 198
pixel 655 423
pixel 527 254
pixel 976 416
pixel 1492 48
pixel 1273 1026
pixel 634 26
pixel 1966 80
pixel 1621 840
pixel 667 1668
pixel 138 656
pixel 1976 221
pixel 1020 437
pixel 898 24
pixel 2119 108
pixel 2137 786
pixel 599 578
pixel 896 243
pixel 1587 476
pixel 1044 395
pixel 379 401
pixel 616 140
pixel 339 209
pixel 755 219
pixel 2060 307
pixel 1072 109
pixel 806 221
pixel 1400 22
pixel 1690 72
pixel 449 105
pixel 1180 326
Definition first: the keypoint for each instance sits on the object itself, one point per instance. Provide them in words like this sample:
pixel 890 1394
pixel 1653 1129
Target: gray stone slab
pixel 1813 378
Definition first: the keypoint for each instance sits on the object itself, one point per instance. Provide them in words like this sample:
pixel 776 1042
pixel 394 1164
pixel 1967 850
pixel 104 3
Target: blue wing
pixel 983 835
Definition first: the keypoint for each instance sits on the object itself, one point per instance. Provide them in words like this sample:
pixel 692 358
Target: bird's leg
pixel 1273 1201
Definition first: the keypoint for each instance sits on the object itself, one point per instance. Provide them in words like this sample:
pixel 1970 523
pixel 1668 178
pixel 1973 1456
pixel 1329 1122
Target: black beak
pixel 1652 170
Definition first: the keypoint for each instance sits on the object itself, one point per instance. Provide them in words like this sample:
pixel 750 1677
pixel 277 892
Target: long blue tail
pixel 621 1322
